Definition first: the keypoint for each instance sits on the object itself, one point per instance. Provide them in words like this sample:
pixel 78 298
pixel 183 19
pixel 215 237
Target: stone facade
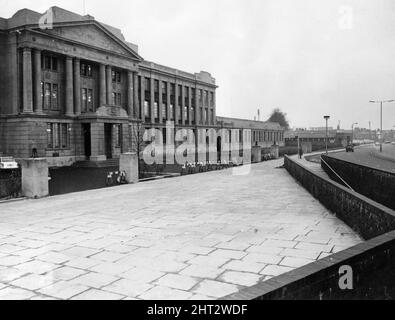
pixel 76 90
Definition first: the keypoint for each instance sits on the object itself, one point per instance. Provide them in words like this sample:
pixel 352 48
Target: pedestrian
pixel 300 152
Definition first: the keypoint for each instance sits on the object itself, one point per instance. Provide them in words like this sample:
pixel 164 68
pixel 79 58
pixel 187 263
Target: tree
pixel 279 117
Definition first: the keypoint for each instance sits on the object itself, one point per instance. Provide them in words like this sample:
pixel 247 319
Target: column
pixel 168 101
pixel 209 120
pixel 102 85
pixel 197 106
pixel 69 87
pixel 142 99
pixel 130 94
pixel 136 96
pixel 183 104
pixel 160 102
pixel 176 107
pixel 190 106
pixel 215 107
pixel 152 100
pixel 77 87
pixel 109 83
pixel 38 101
pixel 27 99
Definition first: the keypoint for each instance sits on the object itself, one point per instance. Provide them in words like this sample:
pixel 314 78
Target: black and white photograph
pixel 199 157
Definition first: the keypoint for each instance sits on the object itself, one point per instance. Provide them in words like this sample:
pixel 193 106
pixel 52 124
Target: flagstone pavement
pixel 198 237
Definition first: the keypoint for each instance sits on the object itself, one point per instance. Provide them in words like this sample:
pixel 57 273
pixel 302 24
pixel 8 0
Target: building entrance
pixel 108 140
pixel 86 131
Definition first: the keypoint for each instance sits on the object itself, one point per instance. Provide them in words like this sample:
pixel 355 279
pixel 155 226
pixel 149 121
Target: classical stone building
pixel 73 89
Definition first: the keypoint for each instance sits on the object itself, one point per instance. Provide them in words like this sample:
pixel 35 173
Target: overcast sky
pixel 307 57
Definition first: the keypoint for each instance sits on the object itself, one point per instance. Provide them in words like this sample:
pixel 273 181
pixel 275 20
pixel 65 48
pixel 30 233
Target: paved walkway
pixel 195 237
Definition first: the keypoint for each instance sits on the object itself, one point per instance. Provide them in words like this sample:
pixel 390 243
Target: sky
pixel 309 58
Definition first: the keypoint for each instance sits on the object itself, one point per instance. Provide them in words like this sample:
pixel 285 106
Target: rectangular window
pixel 119 99
pixel 84 98
pixel 49 136
pixel 118 135
pixel 47 98
pixel 206 98
pixel 65 135
pixel 114 98
pixel 42 94
pixel 156 110
pixel 212 116
pixel 205 116
pixel 147 84
pixel 90 100
pixel 54 65
pixel 83 69
pixel 47 63
pixel 56 135
pixel 193 114
pixel 186 113
pixel 89 71
pixel 54 102
pixel 146 109
pixel 171 112
pixel 164 111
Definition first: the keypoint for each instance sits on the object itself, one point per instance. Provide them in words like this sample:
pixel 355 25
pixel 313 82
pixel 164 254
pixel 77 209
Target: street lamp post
pixel 326 139
pixel 352 132
pixel 381 102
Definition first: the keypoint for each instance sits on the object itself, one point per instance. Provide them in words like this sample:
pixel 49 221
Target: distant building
pixel 336 138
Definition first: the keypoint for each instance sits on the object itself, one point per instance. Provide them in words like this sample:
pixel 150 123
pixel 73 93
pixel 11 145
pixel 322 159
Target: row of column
pixel 32 78
pixel 186 91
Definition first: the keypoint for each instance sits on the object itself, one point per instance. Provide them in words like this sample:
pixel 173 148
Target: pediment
pixel 93 35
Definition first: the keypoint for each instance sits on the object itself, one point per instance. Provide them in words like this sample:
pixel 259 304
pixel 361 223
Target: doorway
pixel 108 140
pixel 86 131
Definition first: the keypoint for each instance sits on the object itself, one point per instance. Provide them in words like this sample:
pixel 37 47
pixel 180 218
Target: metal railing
pixel 337 175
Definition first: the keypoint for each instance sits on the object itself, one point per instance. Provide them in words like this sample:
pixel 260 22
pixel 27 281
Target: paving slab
pixel 201 236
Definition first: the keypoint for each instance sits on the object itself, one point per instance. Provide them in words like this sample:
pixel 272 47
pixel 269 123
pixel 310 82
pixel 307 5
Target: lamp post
pixel 381 102
pixel 352 132
pixel 326 139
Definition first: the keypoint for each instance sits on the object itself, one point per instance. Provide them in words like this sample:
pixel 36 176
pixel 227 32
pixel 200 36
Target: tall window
pixel 116 99
pixel 86 70
pixel 84 99
pixel 90 100
pixel 193 114
pixel 58 136
pixel 156 110
pixel 64 136
pixel 186 113
pixel 146 109
pixel 54 102
pixel 116 76
pixel 47 96
pixel 171 112
pixel 49 63
pixel 118 135
pixel 50 93
pixel 205 116
pixel 164 111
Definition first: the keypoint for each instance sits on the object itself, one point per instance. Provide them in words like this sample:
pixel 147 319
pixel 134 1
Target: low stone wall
pixel 367 217
pixel 320 280
pixel 10 184
pixel 376 184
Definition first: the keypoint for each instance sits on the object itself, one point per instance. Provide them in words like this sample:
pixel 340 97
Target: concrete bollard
pixel 275 151
pixel 34 178
pixel 129 164
pixel 256 154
